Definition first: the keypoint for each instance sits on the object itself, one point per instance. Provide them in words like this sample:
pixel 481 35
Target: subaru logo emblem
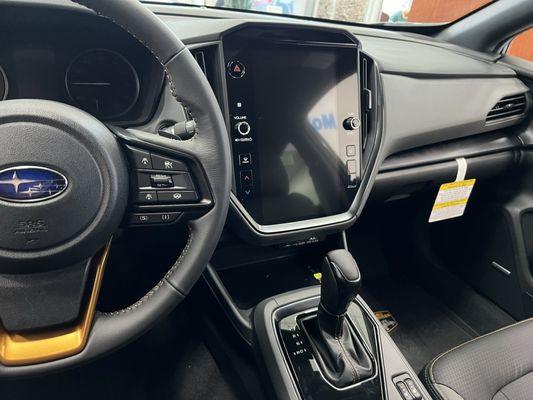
pixel 31 184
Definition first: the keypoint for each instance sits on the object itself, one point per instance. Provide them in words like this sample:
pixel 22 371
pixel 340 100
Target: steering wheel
pixel 64 188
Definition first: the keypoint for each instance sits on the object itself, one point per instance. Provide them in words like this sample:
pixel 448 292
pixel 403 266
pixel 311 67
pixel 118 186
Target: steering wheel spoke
pixel 167 181
pixel 69 183
pixel 34 337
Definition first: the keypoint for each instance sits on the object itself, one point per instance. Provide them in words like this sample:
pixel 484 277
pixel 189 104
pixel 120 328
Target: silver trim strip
pixel 6 83
pixel 498 267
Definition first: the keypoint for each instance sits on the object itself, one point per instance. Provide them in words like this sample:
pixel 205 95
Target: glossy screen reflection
pixel 301 97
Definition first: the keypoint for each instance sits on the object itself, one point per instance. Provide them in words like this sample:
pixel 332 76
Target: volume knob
pixel 243 128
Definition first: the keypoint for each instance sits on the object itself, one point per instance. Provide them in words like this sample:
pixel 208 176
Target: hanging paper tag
pixel 452 198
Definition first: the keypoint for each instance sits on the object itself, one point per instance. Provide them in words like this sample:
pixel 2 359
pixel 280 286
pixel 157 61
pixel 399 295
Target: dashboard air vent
pixel 200 59
pixel 510 107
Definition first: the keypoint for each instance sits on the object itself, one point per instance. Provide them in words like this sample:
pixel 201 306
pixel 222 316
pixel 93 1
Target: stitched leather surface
pixel 521 389
pixel 496 366
pixel 210 146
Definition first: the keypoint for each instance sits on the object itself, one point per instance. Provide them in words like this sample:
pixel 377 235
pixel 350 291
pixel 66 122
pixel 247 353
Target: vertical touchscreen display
pixel 300 98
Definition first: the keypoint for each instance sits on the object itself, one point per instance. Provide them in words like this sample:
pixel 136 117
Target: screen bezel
pixel 240 219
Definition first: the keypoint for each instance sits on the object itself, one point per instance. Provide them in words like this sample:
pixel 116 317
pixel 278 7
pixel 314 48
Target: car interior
pixel 206 202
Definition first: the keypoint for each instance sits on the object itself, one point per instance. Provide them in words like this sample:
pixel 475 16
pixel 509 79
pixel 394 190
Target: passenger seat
pixel 497 366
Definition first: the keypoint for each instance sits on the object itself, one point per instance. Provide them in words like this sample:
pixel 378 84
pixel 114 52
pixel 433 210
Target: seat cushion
pixel 497 366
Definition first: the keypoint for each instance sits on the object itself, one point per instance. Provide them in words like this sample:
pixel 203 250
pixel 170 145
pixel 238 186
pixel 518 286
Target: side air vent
pixel 508 108
pixel 207 58
pixel 200 59
pixel 366 98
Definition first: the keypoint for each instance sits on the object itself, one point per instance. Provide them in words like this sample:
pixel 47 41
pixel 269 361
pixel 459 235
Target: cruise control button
pixel 147 197
pixel 161 181
pixel 183 181
pixel 140 158
pixel 167 164
pixel 177 196
pixel 153 218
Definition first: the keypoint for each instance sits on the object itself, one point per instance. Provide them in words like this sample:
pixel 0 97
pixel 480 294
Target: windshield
pixel 355 11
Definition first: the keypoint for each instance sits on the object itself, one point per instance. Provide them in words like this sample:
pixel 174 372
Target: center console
pixel 303 111
pixel 327 344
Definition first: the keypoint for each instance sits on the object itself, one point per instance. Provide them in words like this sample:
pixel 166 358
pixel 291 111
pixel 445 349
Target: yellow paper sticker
pixel 451 200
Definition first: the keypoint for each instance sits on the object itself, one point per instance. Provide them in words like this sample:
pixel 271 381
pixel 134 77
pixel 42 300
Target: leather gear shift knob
pixel 341 282
pixel 339 351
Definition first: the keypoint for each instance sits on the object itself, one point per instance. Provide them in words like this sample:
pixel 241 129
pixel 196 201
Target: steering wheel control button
pixel 236 69
pixel 183 181
pixel 154 218
pixel 147 197
pixel 243 128
pixel 167 164
pixel 177 196
pixel 140 158
pixel 161 181
pixel 247 177
pixel 245 159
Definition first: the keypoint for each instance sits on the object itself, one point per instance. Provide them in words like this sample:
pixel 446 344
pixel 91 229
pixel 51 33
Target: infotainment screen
pixel 294 113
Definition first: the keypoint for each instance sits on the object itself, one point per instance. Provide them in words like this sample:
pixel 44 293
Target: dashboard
pixel 321 116
pixel 87 63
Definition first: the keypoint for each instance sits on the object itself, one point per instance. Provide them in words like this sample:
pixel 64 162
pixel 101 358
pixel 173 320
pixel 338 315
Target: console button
pixel 406 395
pixel 153 218
pixel 413 389
pixel 350 150
pixel 351 166
pixel 247 192
pixel 147 197
pixel 177 196
pixel 167 164
pixel 351 123
pixel 247 177
pixel 243 128
pixel 161 181
pixel 236 69
pixel 245 159
pixel 140 158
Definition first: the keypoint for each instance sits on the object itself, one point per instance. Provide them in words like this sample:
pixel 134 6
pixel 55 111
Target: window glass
pixel 522 45
pixel 359 11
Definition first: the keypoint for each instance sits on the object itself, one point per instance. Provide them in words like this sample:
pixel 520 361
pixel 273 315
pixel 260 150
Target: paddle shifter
pixel 339 351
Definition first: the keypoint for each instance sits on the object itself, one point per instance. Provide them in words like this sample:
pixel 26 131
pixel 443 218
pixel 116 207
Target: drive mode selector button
pixel 243 128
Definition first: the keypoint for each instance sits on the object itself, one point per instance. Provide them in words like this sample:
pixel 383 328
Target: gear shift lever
pixel 339 351
pixel 341 282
